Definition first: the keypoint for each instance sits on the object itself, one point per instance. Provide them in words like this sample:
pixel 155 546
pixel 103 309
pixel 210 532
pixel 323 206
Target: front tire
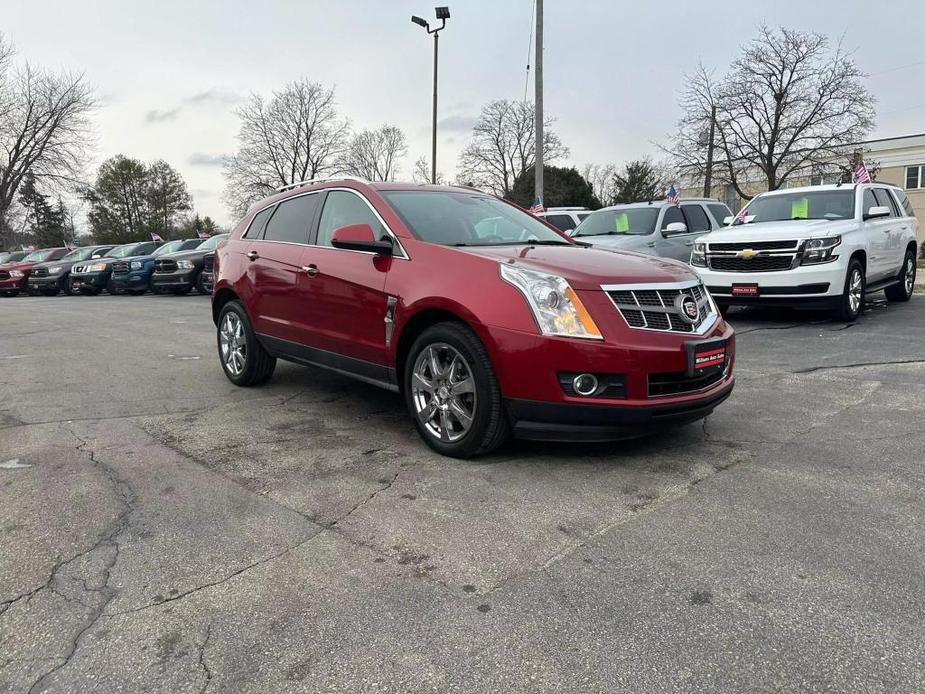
pixel 903 290
pixel 852 299
pixel 452 392
pixel 244 360
pixel 198 284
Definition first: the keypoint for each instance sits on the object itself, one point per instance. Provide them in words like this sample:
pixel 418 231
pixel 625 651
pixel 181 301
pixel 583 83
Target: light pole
pixel 443 14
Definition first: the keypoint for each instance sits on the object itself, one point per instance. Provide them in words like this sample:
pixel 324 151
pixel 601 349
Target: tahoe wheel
pixel 452 392
pixel 198 284
pixel 903 290
pixel 852 299
pixel 244 360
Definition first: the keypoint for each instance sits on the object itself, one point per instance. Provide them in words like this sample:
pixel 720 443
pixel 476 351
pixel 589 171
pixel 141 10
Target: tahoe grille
pixel 755 245
pixel 165 265
pixel 758 263
pixel 655 308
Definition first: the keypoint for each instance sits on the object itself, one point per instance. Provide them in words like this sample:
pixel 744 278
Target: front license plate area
pixel 745 290
pixel 704 355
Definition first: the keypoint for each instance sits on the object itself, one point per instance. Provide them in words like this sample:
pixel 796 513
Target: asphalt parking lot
pixel 162 530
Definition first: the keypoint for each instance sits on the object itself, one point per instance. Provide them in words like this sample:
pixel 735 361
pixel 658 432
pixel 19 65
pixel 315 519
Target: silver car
pixel 654 228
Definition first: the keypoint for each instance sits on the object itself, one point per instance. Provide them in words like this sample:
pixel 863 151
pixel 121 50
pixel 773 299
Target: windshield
pixel 79 254
pixel 468 219
pixel 123 251
pixel 168 247
pixel 823 204
pixel 626 220
pixel 210 244
pixel 39 256
pixel 13 257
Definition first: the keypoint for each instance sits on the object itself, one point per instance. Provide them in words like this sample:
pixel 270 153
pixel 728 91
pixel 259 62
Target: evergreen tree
pixel 563 187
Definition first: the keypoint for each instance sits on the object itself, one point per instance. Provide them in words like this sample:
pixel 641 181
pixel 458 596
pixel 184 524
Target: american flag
pixel 28 249
pixel 672 196
pixel 861 175
pixel 70 246
pixel 743 213
pixel 156 238
pixel 203 235
pixel 537 206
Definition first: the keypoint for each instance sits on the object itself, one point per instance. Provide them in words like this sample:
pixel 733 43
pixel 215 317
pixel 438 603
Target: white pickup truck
pixel 815 247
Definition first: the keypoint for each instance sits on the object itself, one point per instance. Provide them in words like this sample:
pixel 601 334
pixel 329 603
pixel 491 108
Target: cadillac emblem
pixel 687 308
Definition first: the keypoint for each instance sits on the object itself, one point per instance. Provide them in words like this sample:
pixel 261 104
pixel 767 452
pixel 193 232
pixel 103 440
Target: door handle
pixel 310 270
pixel 253 255
pixel 688 243
pixel 651 244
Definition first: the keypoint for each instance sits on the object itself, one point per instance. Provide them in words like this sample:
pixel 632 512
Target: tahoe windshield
pixel 211 243
pixel 823 204
pixel 629 220
pixel 468 219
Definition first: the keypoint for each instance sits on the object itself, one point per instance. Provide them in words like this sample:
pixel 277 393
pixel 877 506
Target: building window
pixel 915 177
pixel 825 178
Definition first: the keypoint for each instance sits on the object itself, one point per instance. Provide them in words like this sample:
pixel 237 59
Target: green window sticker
pixel 622 223
pixel 799 209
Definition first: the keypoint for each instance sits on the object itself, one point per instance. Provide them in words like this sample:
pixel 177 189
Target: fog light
pixel 585 384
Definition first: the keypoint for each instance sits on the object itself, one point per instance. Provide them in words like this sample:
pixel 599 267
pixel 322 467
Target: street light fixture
pixel 443 14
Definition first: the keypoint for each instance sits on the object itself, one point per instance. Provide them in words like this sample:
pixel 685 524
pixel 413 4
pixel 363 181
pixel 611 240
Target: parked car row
pixel 820 247
pixel 175 267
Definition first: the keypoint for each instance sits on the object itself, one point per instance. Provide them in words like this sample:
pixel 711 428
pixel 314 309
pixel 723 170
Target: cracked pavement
pixel 163 530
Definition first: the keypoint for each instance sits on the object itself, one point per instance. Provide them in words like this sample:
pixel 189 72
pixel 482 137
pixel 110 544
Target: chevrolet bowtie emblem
pixel 747 254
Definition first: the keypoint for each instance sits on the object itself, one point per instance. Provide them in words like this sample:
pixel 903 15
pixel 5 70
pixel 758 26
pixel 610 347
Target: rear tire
pixel 903 290
pixel 452 392
pixel 198 284
pixel 244 360
pixel 852 299
pixel 68 287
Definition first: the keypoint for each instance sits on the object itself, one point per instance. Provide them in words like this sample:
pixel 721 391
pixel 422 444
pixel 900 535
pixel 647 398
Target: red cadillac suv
pixel 487 320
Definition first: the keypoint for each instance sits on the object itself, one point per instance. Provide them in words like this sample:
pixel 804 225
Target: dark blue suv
pixel 133 275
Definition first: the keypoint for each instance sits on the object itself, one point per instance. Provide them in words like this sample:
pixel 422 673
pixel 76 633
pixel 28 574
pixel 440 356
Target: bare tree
pixel 600 176
pixel 420 172
pixel 789 103
pixel 503 146
pixel 45 129
pixel 374 154
pixel 294 135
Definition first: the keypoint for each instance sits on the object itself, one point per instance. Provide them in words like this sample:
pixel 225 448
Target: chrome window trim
pixel 404 254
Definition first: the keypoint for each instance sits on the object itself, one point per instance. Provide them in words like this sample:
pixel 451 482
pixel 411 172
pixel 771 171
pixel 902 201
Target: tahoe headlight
pixel 699 255
pixel 54 270
pixel 16 274
pixel 817 251
pixel 555 305
pixel 137 264
pixel 185 264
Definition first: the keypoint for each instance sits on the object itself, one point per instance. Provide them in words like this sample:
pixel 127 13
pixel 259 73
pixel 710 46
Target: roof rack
pixel 322 179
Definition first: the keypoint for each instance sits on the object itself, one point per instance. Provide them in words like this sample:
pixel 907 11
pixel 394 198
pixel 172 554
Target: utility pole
pixel 538 79
pixel 433 147
pixel 708 179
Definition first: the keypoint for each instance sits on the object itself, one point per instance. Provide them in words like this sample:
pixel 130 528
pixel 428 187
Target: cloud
pixel 458 123
pixel 210 97
pixel 206 159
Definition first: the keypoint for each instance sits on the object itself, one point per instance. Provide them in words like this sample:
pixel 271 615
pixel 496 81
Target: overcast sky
pixel 170 73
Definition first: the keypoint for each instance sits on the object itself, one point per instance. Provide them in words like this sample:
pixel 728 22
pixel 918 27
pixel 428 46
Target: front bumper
pixel 39 283
pixel 12 283
pixel 804 284
pixel 131 280
pixel 90 280
pixel 529 367
pixel 180 279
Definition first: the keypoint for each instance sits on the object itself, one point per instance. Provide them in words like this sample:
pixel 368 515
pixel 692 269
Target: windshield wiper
pixel 543 242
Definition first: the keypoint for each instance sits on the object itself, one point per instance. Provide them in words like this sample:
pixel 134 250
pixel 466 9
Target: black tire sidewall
pixel 464 341
pixel 846 313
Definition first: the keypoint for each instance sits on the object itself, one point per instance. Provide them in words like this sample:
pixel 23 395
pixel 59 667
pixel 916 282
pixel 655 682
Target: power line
pixel 529 46
pixel 898 67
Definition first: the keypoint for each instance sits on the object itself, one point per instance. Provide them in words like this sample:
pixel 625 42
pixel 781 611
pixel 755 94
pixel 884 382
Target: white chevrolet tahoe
pixel 816 247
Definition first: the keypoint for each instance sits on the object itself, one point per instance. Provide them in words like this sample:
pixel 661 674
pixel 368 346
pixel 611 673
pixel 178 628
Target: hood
pixel 629 242
pixel 780 231
pixel 57 263
pixel 193 254
pixel 587 267
pixel 18 266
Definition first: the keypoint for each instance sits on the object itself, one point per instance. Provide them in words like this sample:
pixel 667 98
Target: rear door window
pixel 886 200
pixel 904 202
pixel 292 220
pixel 258 223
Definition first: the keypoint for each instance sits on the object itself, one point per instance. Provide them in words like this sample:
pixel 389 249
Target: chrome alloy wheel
pixel 855 291
pixel 443 391
pixel 233 344
pixel 910 274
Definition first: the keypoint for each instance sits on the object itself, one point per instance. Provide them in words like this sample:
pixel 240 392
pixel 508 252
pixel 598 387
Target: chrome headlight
pixel 54 270
pixel 817 251
pixel 137 264
pixel 16 274
pixel 96 267
pixel 699 255
pixel 555 305
pixel 186 264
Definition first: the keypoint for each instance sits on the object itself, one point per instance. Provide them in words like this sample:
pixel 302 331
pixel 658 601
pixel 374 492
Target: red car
pixel 15 276
pixel 487 320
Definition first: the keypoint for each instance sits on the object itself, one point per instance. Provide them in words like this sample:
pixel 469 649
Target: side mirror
pixel 674 228
pixel 95 256
pixel 360 237
pixel 877 212
pixel 728 220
